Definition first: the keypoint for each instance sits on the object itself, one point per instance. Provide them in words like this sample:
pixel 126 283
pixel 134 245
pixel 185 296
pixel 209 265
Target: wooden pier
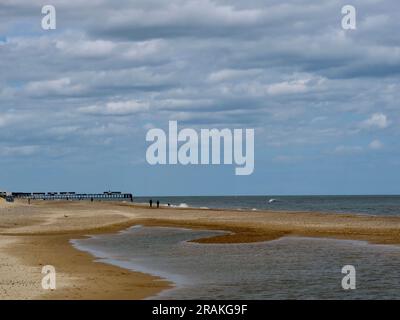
pixel 109 195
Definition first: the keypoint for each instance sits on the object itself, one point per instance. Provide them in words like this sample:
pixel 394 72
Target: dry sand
pixel 35 235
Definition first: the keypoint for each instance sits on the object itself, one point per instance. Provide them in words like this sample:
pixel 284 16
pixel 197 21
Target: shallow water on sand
pixel 287 268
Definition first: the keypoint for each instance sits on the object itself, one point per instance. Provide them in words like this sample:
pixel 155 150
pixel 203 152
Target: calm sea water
pixel 288 268
pixel 373 205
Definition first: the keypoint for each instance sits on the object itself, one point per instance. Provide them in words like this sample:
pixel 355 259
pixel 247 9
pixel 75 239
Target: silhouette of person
pixel 158 204
pixel 151 203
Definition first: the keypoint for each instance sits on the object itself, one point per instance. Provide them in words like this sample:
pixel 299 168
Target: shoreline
pixel 79 275
pixel 40 234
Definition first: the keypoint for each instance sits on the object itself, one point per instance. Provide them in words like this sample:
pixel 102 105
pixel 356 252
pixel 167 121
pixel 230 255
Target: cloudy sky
pixel 76 102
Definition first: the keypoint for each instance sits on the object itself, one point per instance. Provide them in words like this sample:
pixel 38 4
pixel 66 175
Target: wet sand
pixel 38 234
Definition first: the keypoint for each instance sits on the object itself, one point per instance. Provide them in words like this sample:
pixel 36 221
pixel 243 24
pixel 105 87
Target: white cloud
pixel 18 150
pixel 185 13
pixel 377 120
pixel 287 87
pixel 107 130
pixel 8 119
pixel 232 74
pixel 347 150
pixel 62 86
pixel 375 144
pixel 85 48
pixel 117 108
pixel 145 49
pixel 351 150
pixel 63 130
pixel 294 86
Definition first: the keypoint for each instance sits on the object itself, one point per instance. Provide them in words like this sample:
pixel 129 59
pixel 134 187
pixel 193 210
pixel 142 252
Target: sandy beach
pixel 35 235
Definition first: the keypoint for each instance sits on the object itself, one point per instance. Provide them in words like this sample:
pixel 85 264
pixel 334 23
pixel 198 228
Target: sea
pixel 360 204
pixel 285 268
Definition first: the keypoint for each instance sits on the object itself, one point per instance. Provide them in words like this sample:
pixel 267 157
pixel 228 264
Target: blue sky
pixel 76 102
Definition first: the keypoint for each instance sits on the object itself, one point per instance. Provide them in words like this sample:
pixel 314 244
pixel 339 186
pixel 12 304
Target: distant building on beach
pixel 112 192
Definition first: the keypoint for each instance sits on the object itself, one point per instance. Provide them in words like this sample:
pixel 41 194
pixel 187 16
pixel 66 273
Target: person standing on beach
pixel 158 204
pixel 151 203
